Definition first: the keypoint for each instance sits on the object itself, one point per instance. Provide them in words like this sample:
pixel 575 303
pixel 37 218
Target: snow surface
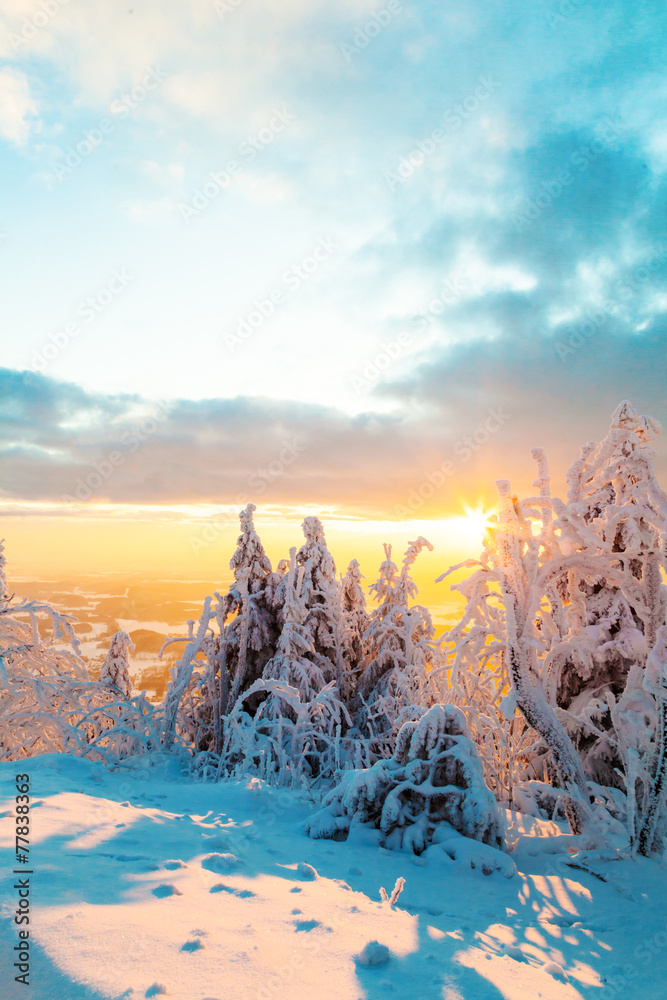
pixel 147 884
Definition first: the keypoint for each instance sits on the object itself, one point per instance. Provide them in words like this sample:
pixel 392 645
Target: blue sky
pixel 422 211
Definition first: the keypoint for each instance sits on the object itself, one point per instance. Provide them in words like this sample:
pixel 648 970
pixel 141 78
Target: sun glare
pixel 470 528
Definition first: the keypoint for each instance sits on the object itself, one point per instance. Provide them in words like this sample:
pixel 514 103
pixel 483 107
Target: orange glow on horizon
pixel 195 543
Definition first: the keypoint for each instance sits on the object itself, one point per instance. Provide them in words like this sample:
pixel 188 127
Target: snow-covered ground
pixel 147 884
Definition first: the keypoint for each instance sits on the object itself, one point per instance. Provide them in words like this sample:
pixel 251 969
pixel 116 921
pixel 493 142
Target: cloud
pixel 465 421
pixel 54 437
pixel 529 215
pixel 18 109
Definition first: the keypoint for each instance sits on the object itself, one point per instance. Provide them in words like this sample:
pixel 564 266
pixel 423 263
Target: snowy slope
pixel 149 885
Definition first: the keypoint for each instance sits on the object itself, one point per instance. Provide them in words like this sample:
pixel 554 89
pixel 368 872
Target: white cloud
pixel 18 109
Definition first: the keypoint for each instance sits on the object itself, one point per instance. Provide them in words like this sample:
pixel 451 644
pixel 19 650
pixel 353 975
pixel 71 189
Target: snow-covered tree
pixel 321 595
pixel 292 732
pixel 433 780
pixel 612 623
pixel 507 592
pixel 115 670
pixel 399 650
pixel 353 622
pixel 48 703
pixel 561 606
pixel 4 588
pixel 184 679
pixel 294 662
pixel 217 668
pixel 251 636
pixel 654 800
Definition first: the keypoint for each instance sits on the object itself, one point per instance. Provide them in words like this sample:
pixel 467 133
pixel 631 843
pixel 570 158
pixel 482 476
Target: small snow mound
pixel 483 857
pixel 373 954
pixel 513 951
pixel 157 989
pixel 220 863
pixel 217 843
pixel 196 945
pixel 554 969
pixel 165 890
pixel 306 872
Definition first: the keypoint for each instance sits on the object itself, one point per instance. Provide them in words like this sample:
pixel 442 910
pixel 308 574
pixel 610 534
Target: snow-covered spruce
pixel 115 671
pixel 250 638
pixel 216 669
pixel 292 733
pixel 398 680
pixel 434 777
pixel 321 596
pixel 596 673
pixel 353 623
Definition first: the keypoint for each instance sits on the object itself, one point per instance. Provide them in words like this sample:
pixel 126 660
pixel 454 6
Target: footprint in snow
pixel 195 945
pixel 157 989
pixel 306 925
pixel 558 919
pixel 163 891
pixel 241 893
pixel 220 863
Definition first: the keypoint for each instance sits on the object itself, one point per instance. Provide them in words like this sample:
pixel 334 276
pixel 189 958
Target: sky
pixel 354 259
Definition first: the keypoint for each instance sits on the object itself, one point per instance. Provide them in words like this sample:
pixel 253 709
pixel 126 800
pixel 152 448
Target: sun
pixel 473 525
